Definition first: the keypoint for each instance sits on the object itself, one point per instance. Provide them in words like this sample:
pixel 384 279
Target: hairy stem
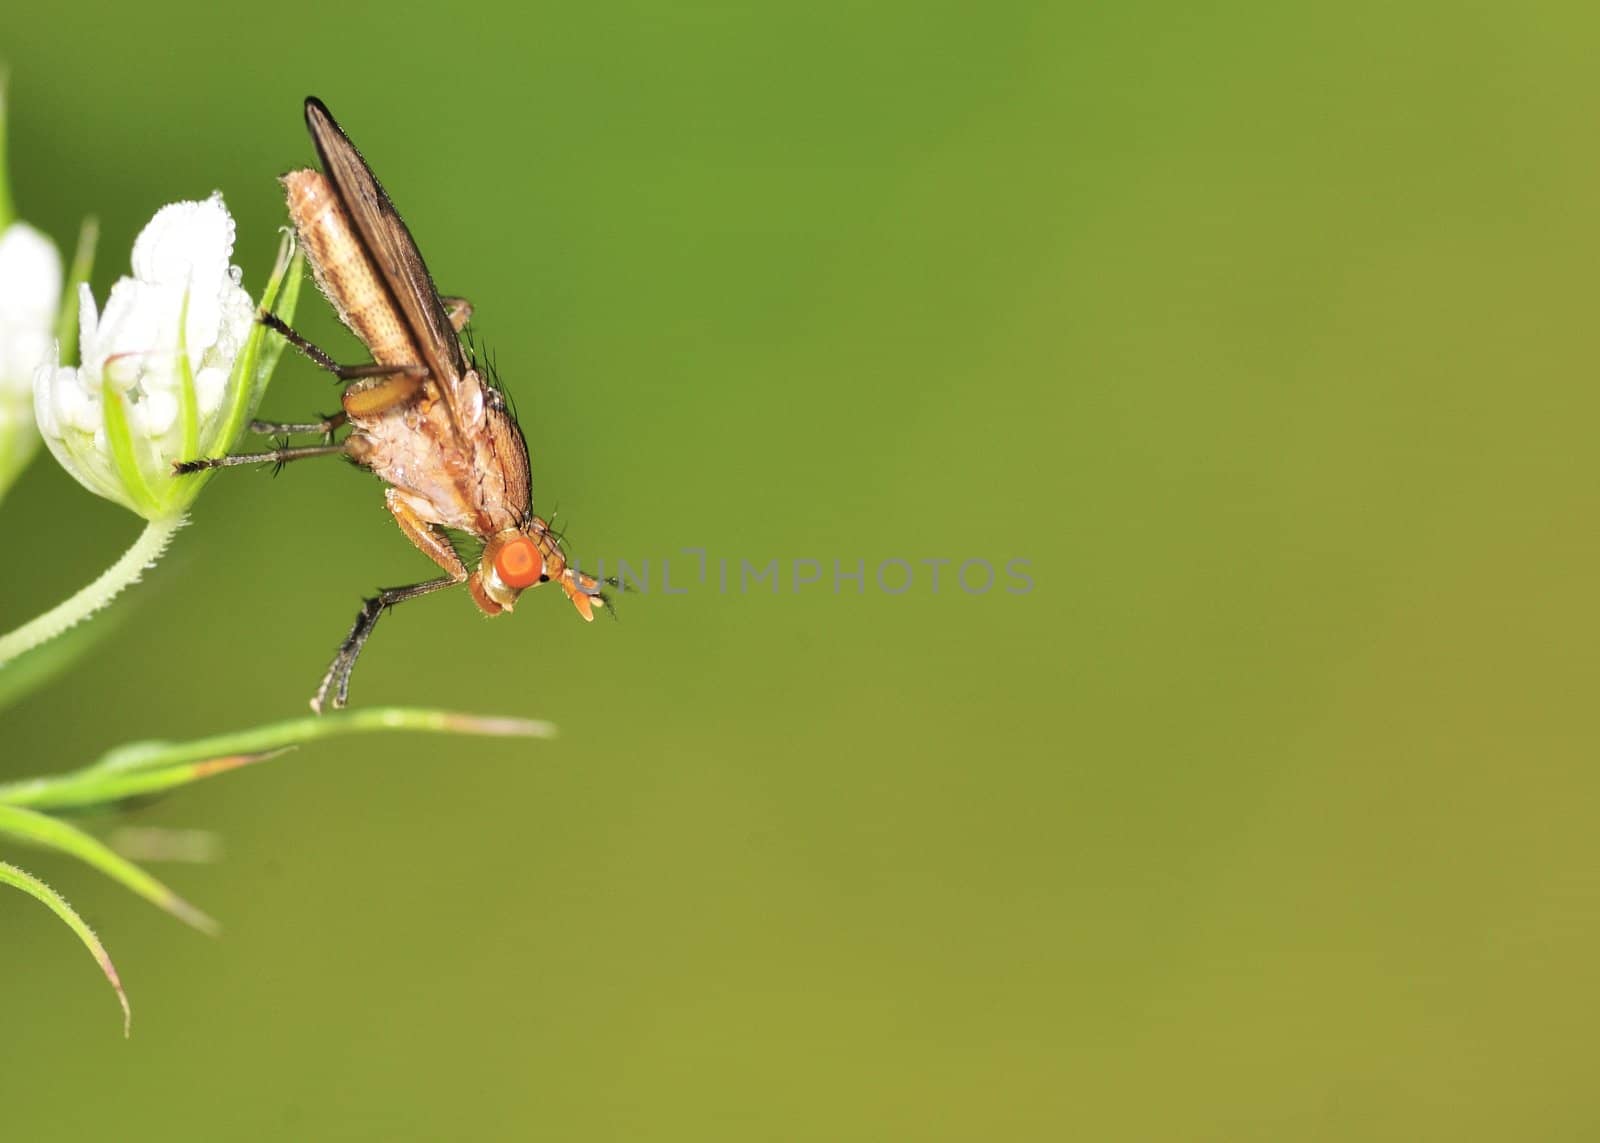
pixel 120 575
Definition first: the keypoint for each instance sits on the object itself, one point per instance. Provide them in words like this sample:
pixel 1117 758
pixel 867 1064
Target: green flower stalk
pixel 171 369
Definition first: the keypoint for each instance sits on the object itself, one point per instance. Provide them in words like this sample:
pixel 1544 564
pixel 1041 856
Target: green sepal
pixel 77 275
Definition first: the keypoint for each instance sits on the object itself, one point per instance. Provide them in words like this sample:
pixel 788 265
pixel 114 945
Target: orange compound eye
pixel 518 563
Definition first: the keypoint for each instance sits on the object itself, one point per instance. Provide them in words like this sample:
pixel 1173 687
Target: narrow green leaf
pixel 31 885
pixel 147 767
pixel 52 833
pixel 89 789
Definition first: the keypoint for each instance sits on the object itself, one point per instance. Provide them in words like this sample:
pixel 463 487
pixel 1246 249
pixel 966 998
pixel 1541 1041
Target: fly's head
pixel 518 559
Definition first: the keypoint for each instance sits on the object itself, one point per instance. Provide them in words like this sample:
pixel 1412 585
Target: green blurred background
pixel 1263 331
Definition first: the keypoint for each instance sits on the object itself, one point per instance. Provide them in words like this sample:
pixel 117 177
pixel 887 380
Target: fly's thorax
pixel 412 448
pixel 343 270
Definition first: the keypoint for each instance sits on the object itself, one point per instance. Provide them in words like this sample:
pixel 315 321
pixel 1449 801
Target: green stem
pixel 120 575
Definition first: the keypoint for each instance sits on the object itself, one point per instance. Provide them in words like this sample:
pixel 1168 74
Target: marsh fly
pixel 421 416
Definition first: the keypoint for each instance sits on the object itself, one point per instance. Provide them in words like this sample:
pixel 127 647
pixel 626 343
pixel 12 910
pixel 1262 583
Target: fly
pixel 420 415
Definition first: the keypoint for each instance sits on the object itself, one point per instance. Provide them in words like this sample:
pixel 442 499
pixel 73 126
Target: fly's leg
pixel 337 680
pixel 459 311
pixel 378 397
pixel 390 385
pixel 277 456
pixel 343 372
pixel 325 427
pixel 428 539
pixel 318 356
pixel 433 544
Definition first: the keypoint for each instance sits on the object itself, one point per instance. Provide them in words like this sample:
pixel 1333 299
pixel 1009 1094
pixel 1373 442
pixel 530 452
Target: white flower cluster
pixel 30 296
pixel 156 363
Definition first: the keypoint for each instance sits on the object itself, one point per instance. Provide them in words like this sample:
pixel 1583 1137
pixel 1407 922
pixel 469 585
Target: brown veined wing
pixel 394 252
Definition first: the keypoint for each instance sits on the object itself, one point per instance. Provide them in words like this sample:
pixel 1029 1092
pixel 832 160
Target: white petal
pixel 30 292
pixel 30 277
pixel 155 414
pixel 75 408
pixel 210 385
pixel 138 334
pixel 200 326
pixel 186 244
pixel 88 321
pixel 21 351
pixel 238 318
pixel 44 397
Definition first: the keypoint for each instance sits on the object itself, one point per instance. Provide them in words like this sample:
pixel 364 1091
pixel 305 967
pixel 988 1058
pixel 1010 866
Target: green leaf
pixel 31 885
pixel 51 833
pixel 138 768
pixel 93 789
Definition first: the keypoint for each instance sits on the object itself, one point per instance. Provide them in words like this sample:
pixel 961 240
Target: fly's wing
pixel 394 252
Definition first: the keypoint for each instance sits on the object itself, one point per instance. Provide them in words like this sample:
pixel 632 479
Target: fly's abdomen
pixel 344 271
